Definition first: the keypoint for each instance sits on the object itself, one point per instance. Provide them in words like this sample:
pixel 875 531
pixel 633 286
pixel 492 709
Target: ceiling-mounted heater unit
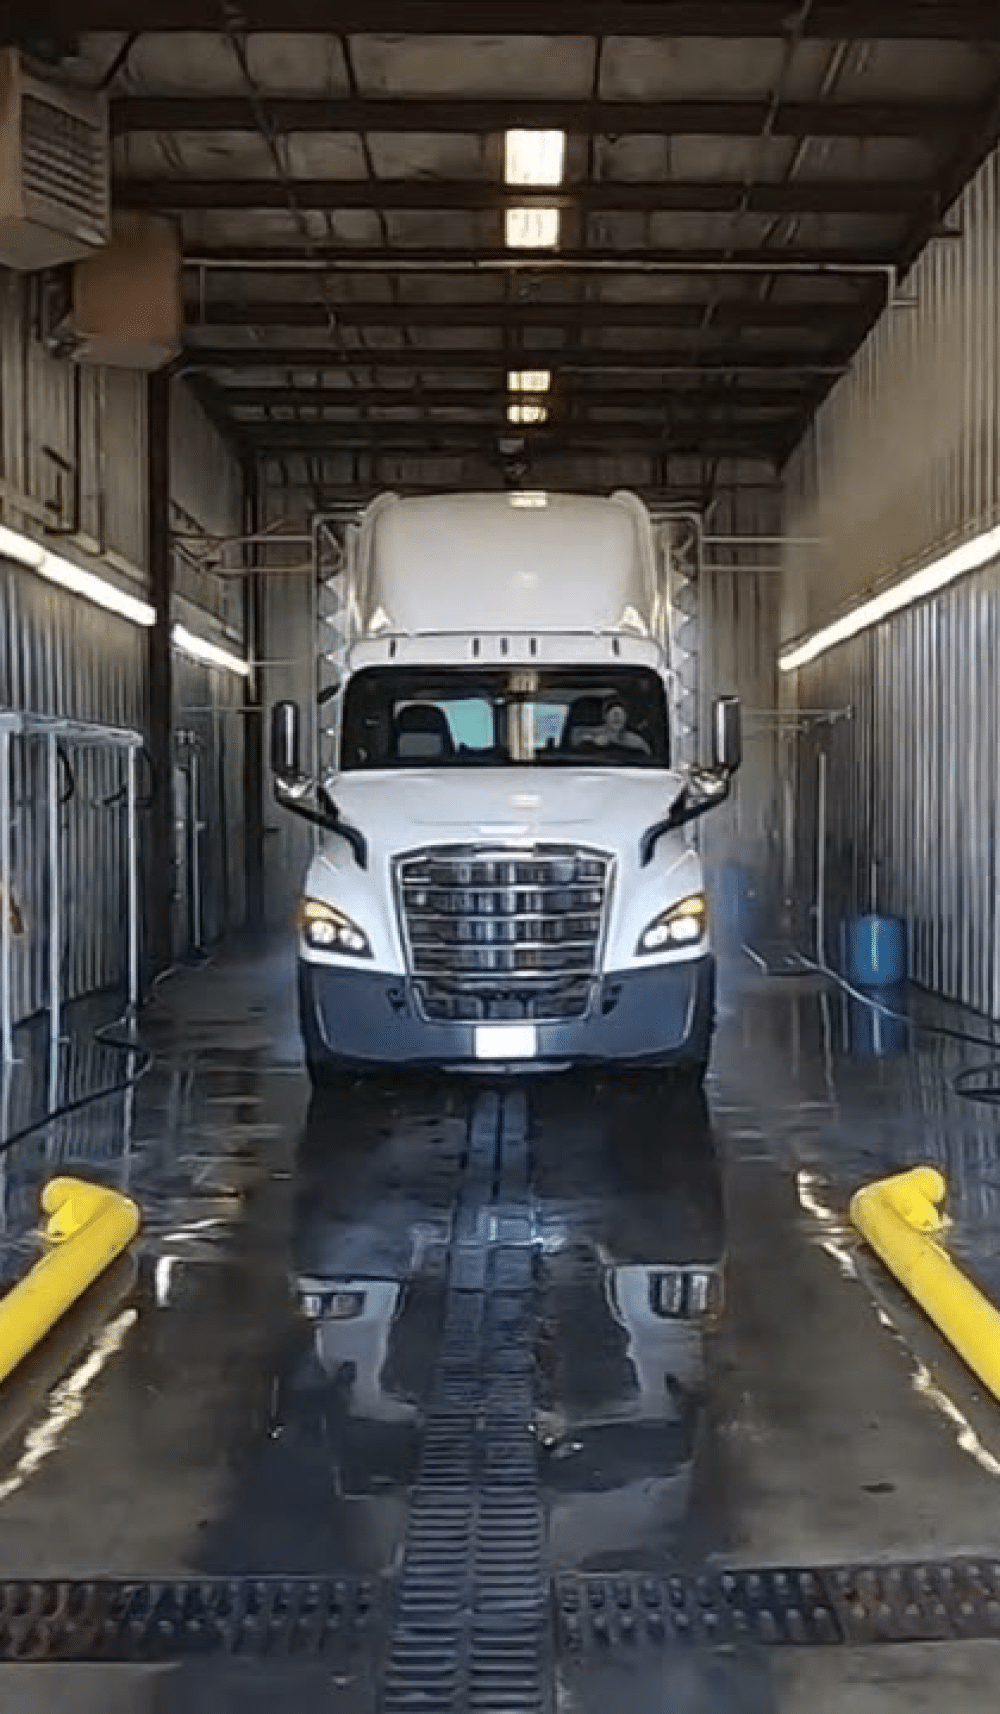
pixel 55 170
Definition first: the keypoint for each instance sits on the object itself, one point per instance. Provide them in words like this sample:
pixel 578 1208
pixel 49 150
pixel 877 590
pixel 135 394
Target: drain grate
pixel 134 1621
pixel 471 1621
pixel 937 1601
pixel 470 1627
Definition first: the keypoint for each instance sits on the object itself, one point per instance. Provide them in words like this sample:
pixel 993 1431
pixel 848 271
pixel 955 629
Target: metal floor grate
pixel 936 1601
pixel 138 1621
pixel 470 1626
pixel 471 1620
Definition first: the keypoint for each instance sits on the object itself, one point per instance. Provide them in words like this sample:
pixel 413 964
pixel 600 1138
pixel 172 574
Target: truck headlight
pixel 327 929
pixel 684 924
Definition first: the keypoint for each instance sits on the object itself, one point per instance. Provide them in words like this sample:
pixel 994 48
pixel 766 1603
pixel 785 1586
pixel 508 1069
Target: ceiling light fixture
pixel 534 157
pixel 529 380
pixel 971 556
pixel 525 413
pixel 532 228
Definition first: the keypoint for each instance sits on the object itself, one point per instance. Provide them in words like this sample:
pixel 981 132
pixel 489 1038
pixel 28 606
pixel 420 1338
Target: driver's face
pixel 616 718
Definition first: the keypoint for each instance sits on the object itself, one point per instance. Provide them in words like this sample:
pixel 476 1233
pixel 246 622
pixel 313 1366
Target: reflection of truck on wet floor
pixel 503 876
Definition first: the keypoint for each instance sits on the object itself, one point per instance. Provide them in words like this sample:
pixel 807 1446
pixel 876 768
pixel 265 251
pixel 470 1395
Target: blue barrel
pixel 877 953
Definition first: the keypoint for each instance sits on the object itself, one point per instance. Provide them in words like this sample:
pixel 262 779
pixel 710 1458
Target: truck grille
pixel 493 935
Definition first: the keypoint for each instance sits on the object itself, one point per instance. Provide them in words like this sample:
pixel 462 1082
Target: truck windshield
pixel 419 717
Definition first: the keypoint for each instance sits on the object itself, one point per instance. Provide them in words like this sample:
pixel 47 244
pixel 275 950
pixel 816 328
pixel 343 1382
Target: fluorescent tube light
pixel 529 380
pixel 534 157
pixel 210 654
pixel 529 500
pixel 36 557
pixel 532 228
pixel 20 548
pixel 917 587
pixel 521 413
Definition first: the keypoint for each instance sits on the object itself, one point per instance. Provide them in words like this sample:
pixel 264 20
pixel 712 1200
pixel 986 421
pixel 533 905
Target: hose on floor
pixel 980 1083
pixel 117 1044
pixel 106 1036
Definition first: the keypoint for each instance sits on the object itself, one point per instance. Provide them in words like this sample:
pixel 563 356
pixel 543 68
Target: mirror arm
pixel 327 817
pixel 683 810
pixel 675 817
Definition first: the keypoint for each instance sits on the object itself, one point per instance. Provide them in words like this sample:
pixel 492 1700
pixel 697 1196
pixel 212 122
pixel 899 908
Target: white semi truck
pixel 502 876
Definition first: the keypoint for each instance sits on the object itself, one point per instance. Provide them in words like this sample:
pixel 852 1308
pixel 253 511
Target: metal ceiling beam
pixel 697 492
pixel 797 119
pixel 826 20
pixel 319 359
pixel 708 196
pixel 458 259
pixel 561 402
pixel 559 424
pixel 981 137
pixel 388 440
pixel 730 312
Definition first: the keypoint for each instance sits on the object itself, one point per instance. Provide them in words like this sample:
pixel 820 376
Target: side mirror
pixel 286 741
pixel 727 734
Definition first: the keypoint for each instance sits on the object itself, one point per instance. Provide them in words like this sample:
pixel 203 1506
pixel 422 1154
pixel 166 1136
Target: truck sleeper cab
pixel 502 879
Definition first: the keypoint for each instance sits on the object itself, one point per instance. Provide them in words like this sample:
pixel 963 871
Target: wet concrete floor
pixel 683 1357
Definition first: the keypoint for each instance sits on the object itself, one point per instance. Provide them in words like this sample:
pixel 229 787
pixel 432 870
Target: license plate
pixel 506 1041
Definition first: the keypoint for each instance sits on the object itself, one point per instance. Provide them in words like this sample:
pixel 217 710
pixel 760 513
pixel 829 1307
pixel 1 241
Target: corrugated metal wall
pixel 741 606
pixel 913 818
pixel 73 464
pixel 903 462
pixel 207 507
pixel 289 621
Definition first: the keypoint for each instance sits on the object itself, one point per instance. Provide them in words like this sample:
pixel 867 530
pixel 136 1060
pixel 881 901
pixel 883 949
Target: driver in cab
pixel 614 732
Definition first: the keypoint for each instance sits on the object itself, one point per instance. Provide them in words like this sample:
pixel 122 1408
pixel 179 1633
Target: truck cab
pixel 502 876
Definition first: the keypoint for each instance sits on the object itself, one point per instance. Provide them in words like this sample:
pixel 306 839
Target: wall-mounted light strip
pixel 971 556
pixel 210 654
pixel 55 569
pixel 24 550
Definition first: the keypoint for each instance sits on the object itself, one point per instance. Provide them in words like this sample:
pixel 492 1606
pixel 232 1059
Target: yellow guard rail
pixel 899 1217
pixel 87 1227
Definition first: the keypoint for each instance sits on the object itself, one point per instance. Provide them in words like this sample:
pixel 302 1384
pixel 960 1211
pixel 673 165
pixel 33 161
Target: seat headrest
pixel 586 714
pixel 423 733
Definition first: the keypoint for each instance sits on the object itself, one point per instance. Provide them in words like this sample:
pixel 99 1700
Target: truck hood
pixel 600 806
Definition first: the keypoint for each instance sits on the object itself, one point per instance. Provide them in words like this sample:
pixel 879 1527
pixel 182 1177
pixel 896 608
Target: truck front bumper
pixel 662 1016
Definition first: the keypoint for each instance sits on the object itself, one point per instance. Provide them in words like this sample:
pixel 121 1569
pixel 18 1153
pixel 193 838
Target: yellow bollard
pixel 898 1217
pixel 88 1226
